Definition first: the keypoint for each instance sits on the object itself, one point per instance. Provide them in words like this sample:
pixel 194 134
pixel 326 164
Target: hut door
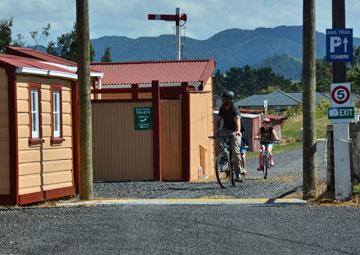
pixel 170 126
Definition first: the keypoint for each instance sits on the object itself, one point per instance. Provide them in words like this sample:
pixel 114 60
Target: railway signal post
pixel 177 18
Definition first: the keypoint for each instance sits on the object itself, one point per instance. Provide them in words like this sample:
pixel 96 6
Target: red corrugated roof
pixel 165 71
pixel 18 62
pixel 31 53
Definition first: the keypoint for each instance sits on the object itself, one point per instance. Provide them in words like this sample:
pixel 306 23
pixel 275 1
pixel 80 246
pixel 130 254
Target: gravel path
pixel 284 177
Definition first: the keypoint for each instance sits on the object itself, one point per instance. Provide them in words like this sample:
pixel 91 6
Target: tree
pixel 51 49
pixel 356 57
pixel 219 82
pixel 38 37
pixel 246 81
pixel 354 78
pixel 66 46
pixel 19 41
pixel 107 55
pixel 5 33
pixel 323 75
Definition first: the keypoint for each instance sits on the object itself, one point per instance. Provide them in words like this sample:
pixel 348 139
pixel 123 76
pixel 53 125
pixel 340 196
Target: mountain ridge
pixel 232 47
pixel 279 48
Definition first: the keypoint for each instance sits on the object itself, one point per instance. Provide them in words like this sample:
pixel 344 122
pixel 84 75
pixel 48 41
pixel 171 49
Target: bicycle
pixel 224 169
pixel 266 160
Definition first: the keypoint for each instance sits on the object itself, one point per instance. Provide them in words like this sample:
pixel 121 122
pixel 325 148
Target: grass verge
pixel 292 126
pixel 356 189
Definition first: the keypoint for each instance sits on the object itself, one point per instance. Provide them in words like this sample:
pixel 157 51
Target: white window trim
pixel 35 115
pixel 56 108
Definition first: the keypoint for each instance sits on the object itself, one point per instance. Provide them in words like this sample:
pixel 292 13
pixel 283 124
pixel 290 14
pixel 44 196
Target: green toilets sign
pixel 143 118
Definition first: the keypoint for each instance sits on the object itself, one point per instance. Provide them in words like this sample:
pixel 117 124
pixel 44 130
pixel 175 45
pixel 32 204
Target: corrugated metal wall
pixel 170 127
pixel 120 152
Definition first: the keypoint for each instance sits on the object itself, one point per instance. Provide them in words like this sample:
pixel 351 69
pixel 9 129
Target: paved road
pixel 286 176
pixel 222 229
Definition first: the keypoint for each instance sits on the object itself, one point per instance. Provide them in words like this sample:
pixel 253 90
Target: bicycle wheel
pixel 233 177
pixel 222 170
pixel 266 167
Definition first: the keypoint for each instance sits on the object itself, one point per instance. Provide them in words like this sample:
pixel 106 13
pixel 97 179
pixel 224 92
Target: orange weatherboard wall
pixel 45 166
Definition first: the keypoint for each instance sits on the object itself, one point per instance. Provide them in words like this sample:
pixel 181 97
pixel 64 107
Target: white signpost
pixel 341 113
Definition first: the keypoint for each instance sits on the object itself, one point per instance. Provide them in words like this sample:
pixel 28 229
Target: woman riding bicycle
pixel 267 136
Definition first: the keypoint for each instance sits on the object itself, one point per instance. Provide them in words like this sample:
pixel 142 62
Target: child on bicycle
pixel 267 136
pixel 243 149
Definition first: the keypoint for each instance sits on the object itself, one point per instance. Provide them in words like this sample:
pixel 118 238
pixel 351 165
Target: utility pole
pixel 85 125
pixel 309 102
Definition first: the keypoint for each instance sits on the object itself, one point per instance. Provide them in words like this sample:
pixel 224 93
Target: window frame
pixel 35 140
pixel 58 139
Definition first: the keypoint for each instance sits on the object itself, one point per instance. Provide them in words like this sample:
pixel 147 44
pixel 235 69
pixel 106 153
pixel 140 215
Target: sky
pixel 129 17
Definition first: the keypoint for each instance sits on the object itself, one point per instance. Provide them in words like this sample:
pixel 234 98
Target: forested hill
pixel 286 65
pixel 230 48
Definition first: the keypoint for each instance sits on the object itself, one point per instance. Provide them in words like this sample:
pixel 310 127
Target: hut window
pixel 34 112
pixel 56 112
pixel 35 127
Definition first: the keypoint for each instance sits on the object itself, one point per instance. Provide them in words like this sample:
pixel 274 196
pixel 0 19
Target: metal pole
pixel 309 103
pixel 178 36
pixel 342 172
pixel 85 127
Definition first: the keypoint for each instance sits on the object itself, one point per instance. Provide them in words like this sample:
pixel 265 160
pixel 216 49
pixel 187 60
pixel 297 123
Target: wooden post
pixel 185 132
pixel 355 152
pixel 309 95
pixel 156 129
pixel 75 123
pixel 330 159
pixel 135 91
pixel 85 125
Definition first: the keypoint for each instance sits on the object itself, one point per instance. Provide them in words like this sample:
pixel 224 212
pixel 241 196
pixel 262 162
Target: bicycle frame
pixel 266 156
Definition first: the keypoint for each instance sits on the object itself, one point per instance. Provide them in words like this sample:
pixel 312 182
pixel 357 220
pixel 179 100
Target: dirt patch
pixel 353 202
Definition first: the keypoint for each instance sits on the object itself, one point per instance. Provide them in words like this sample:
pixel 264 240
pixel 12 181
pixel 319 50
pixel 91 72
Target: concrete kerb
pixel 197 201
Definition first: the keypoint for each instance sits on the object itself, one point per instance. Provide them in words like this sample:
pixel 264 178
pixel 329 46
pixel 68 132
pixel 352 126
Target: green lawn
pixel 278 148
pixel 291 127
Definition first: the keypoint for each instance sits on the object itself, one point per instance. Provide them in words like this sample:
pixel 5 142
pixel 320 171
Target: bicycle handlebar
pixel 219 136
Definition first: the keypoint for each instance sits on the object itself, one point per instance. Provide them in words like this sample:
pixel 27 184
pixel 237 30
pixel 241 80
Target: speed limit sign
pixel 340 94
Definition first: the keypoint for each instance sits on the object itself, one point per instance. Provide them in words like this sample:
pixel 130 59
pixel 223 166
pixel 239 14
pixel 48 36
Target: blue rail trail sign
pixel 339 45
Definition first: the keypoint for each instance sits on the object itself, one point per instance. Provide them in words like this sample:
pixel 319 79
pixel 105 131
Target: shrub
pixel 293 111
pixel 324 105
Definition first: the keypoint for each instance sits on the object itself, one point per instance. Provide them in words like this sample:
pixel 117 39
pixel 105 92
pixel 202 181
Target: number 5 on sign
pixel 340 94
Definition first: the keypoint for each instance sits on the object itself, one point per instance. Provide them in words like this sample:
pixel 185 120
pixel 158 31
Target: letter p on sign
pixel 335 41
